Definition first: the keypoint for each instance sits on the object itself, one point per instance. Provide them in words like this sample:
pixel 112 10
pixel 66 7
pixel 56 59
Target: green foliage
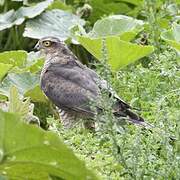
pixel 127 52
pixel 28 152
pixel 16 105
pixel 109 31
pixel 172 36
pixel 4 68
pixel 52 23
pixel 26 83
pixel 21 64
pixel 12 17
pixel 123 26
pixel 116 30
pixel 21 106
pixel 142 153
pixel 104 7
pixel 14 58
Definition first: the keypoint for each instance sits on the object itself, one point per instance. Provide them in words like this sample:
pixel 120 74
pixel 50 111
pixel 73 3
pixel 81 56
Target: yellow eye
pixel 47 43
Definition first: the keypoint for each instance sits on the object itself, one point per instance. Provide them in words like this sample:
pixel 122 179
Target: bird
pixel 72 87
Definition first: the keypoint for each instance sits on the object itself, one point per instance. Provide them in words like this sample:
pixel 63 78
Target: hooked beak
pixel 37 47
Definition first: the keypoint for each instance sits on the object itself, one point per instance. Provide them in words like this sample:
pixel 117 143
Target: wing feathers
pixel 72 86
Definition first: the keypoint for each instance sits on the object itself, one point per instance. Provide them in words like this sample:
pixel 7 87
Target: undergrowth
pixel 142 153
pixel 151 85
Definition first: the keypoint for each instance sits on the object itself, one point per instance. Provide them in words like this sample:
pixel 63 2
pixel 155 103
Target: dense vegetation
pixel 135 46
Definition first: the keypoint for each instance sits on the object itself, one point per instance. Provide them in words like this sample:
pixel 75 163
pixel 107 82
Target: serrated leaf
pixel 52 23
pixel 117 30
pixel 16 103
pixel 4 68
pixel 31 153
pixel 120 53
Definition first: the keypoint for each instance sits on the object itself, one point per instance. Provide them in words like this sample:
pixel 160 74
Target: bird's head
pixel 49 44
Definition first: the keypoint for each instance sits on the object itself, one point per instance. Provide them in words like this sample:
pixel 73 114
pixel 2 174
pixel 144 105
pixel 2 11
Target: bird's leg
pixel 89 124
pixel 67 119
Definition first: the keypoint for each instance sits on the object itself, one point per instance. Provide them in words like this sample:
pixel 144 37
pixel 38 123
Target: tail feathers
pixel 133 118
pixel 141 123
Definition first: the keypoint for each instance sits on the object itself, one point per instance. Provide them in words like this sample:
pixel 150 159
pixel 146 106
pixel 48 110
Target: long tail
pixel 122 109
pixel 136 119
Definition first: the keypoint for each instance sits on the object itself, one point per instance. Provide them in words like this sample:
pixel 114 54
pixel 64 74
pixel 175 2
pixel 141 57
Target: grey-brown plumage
pixel 72 86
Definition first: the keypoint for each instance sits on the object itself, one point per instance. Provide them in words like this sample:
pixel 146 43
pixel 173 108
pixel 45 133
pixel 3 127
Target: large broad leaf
pixel 23 81
pixel 15 58
pixel 120 53
pixel 117 30
pixel 124 26
pixel 172 36
pixel 21 61
pixel 4 68
pixel 26 83
pixel 12 17
pixel 36 94
pixel 52 23
pixel 27 152
pixel 107 7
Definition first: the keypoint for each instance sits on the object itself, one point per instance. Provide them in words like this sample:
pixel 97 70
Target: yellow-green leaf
pixel 4 68
pixel 27 152
pixel 120 53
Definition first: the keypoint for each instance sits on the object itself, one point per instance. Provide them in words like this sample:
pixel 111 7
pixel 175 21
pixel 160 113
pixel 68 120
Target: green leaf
pixel 23 81
pixel 60 5
pixel 15 58
pixel 176 32
pixel 21 106
pixel 124 26
pixel 1 2
pixel 17 105
pixel 3 178
pixel 12 17
pixel 134 2
pixel 27 84
pixel 106 7
pixel 34 62
pixel 36 94
pixel 127 52
pixel 172 36
pixel 52 23
pixel 27 152
pixel 117 30
pixel 6 20
pixel 4 68
pixel 22 61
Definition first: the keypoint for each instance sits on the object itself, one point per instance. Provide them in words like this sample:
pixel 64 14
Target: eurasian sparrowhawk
pixel 71 86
